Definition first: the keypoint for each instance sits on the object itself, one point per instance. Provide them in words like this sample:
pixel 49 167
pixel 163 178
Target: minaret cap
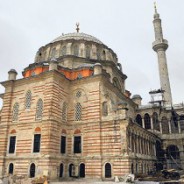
pixel 12 74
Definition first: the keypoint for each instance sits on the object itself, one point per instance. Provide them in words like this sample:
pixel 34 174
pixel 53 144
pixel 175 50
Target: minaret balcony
pixel 160 44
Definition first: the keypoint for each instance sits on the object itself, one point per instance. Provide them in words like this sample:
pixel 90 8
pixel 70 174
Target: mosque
pixel 70 114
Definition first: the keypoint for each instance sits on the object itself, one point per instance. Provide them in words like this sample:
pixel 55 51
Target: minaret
pixel 160 45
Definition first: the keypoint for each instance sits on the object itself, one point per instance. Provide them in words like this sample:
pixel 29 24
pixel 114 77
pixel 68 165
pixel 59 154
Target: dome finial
pixel 77 24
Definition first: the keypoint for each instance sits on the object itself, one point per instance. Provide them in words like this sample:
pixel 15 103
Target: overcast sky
pixel 123 25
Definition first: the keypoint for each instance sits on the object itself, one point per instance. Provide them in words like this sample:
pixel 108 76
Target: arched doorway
pixel 61 170
pixel 32 170
pixel 10 171
pixel 70 170
pixel 173 157
pixel 108 173
pixel 82 170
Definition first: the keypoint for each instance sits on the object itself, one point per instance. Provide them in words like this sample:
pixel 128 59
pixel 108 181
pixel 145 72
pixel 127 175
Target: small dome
pixel 12 71
pixel 77 36
pixel 136 96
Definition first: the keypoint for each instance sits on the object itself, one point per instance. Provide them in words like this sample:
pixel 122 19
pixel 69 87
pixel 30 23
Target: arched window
pixel 147 121
pixel 28 100
pixel 78 112
pixel 63 51
pixel 156 125
pixel 139 119
pixel 108 171
pixel 15 112
pixel 11 167
pixel 88 52
pixel 105 109
pixel 75 50
pixel 64 111
pixel 165 125
pixel 32 171
pixel 53 53
pixel 61 170
pixel 39 109
pixel 71 170
pixel 82 170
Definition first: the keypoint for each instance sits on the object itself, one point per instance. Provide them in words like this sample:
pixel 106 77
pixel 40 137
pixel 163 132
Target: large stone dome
pixel 77 45
pixel 77 36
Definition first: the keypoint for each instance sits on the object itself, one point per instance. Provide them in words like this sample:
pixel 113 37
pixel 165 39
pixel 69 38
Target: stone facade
pixel 71 116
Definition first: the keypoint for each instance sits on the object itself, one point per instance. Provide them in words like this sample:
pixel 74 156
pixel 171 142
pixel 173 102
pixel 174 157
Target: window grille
pixel 39 109
pixel 64 112
pixel 78 94
pixel 63 51
pixel 78 112
pixel 15 112
pixel 12 144
pixel 28 100
pixel 36 146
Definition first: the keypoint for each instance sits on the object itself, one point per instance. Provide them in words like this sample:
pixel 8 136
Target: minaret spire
pixel 155 6
pixel 160 46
